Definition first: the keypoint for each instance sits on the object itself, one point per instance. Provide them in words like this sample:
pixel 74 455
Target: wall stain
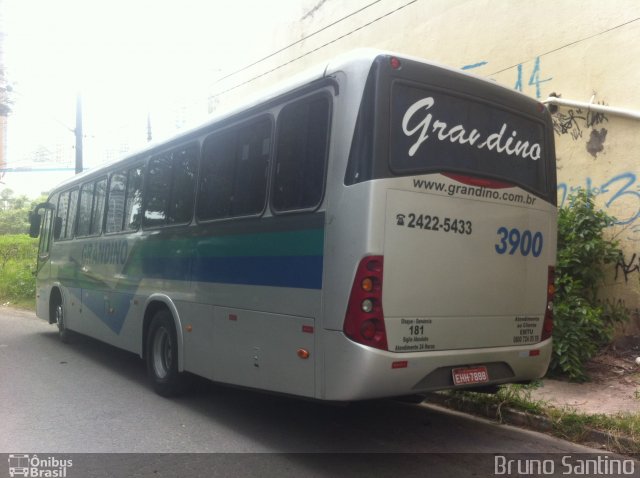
pixel 595 144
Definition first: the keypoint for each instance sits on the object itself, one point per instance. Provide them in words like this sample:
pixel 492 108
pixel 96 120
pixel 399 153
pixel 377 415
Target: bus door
pixel 42 225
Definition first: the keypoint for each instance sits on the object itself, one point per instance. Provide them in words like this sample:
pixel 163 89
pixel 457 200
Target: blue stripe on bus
pixel 303 272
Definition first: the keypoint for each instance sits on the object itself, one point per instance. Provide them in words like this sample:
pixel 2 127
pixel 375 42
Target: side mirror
pixel 35 220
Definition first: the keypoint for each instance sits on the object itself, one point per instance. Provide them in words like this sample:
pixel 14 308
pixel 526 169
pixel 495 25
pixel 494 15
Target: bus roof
pixel 356 61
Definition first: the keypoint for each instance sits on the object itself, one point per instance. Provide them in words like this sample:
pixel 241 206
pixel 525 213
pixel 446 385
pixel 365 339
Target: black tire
pixel 64 334
pixel 162 356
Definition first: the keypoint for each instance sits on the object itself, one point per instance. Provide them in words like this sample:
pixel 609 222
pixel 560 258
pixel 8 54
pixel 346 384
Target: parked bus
pixel 381 226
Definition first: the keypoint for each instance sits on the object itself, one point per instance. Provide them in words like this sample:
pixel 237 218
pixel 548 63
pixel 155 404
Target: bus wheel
pixel 58 313
pixel 162 356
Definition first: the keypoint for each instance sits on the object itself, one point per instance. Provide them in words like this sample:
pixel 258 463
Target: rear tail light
pixel 547 325
pixel 364 322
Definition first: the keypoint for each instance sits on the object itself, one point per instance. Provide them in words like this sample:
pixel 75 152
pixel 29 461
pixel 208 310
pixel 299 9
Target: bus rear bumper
pixel 358 372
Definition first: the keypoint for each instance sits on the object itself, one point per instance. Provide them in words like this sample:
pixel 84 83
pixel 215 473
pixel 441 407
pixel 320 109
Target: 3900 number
pixel 513 240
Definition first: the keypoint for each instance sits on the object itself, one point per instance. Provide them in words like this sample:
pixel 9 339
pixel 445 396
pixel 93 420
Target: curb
pixel 539 423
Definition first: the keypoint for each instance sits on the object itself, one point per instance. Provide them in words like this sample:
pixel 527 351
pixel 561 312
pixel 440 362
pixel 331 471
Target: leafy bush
pixel 581 325
pixel 18 254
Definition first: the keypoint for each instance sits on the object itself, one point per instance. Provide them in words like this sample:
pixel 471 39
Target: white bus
pixel 380 227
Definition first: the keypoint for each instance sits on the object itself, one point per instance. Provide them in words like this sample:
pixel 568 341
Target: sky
pixel 128 59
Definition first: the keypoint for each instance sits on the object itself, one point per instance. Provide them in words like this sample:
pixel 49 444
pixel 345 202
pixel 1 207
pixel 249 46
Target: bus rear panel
pixel 453 280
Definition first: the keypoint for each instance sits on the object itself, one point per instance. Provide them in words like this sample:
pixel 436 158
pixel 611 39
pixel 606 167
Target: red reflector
pixel 534 353
pixel 307 329
pixel 395 63
pixel 480 182
pixel 400 364
pixel 233 317
pixel 368 329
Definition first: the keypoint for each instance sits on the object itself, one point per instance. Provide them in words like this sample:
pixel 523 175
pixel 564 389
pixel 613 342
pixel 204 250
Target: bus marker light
pixel 303 354
pixel 395 63
pixel 233 317
pixel 400 364
pixel 367 305
pixel 307 329
pixel 189 328
pixel 367 284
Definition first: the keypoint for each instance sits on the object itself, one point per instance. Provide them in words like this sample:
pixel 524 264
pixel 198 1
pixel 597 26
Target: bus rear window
pixel 434 131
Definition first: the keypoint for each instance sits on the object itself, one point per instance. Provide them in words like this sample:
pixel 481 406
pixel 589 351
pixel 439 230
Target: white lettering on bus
pixel 458 134
pixel 108 252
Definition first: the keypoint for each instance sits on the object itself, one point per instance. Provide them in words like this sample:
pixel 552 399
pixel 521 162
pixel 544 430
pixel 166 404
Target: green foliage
pixel 18 255
pixel 581 325
pixel 14 212
pixel 564 422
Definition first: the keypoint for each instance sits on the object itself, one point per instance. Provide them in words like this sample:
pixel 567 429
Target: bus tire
pixel 64 334
pixel 162 356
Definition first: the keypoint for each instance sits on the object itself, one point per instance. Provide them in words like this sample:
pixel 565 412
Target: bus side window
pixel 185 165
pixel 84 212
pixel 158 191
pixel 60 222
pixel 115 202
pixel 171 187
pixel 65 220
pixel 91 208
pixel 233 180
pixel 98 206
pixel 133 202
pixel 302 140
pixel 73 215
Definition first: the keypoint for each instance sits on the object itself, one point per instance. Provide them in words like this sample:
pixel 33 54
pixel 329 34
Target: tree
pixel 14 212
pixel 581 325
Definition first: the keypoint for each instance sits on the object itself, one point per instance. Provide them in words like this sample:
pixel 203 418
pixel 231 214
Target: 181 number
pixel 512 241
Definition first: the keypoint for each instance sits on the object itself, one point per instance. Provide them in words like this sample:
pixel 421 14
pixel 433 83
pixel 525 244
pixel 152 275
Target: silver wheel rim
pixel 162 352
pixel 59 317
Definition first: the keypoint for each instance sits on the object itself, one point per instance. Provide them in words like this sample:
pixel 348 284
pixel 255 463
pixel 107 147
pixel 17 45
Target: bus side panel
pixel 197 333
pixel 263 350
pixel 43 292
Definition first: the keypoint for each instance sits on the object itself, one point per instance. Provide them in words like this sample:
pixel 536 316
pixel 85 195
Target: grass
pixel 17 270
pixel 624 429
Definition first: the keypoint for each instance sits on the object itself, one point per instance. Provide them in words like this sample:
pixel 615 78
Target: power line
pixel 572 43
pixel 314 50
pixel 295 42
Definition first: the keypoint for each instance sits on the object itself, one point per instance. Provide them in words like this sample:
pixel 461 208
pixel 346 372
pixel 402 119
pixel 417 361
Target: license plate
pixel 469 376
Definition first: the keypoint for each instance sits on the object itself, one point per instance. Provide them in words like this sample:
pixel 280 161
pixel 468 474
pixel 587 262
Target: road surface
pixel 87 397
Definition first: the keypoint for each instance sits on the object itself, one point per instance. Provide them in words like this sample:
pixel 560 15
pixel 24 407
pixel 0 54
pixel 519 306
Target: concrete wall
pixel 584 50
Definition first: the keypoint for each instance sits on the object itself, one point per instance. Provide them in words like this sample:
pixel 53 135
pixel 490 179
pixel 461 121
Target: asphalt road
pixel 87 397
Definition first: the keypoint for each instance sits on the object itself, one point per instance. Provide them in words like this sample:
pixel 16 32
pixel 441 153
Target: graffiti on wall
pixel 621 193
pixel 532 85
pixel 575 121
pixel 628 266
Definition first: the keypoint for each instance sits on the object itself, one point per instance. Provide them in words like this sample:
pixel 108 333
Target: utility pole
pixel 149 135
pixel 78 133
